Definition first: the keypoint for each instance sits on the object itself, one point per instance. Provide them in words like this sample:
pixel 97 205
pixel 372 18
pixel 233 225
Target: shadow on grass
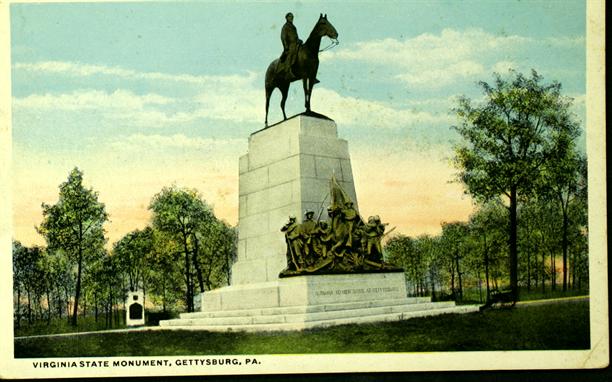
pixel 560 326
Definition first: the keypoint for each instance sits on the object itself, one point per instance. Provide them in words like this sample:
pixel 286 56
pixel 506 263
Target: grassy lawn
pixel 557 326
pixel 84 324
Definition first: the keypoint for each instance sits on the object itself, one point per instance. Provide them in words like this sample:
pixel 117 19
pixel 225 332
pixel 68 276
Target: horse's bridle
pixel 334 43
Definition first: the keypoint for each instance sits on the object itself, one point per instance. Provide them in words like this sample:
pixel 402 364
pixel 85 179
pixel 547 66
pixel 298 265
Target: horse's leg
pixel 268 94
pixel 306 82
pixel 284 88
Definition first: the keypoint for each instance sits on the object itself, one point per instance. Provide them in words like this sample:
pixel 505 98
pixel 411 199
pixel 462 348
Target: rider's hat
pixel 308 212
pixel 288 14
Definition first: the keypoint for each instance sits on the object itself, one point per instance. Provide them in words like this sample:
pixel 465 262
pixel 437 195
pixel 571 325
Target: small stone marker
pixel 134 315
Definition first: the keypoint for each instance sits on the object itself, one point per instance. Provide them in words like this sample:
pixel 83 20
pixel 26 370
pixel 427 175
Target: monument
pixel 134 314
pixel 306 258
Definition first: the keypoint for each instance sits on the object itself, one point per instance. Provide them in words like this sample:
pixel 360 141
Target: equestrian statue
pixel 299 61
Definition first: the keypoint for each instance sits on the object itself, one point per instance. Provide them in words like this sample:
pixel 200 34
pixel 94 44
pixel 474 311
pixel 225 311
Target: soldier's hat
pixel 308 212
pixel 288 14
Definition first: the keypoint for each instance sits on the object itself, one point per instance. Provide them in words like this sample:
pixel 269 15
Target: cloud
pixel 76 69
pixel 222 97
pixel 238 100
pixel 436 60
pixel 422 51
pixel 153 142
pixel 437 78
pixel 91 99
pixel 374 114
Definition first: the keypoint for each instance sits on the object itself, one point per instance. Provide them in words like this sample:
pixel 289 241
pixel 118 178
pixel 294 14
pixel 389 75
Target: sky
pixel 145 95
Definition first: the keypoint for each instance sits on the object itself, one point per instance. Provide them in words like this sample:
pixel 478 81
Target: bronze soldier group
pixel 342 244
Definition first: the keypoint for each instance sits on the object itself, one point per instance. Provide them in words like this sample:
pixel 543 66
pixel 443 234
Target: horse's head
pixel 325 28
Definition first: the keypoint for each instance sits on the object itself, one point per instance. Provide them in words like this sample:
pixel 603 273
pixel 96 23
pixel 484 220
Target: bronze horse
pixel 305 67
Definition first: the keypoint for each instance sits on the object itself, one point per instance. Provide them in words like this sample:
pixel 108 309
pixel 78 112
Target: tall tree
pixel 179 212
pixel 564 184
pixel 453 240
pixel 400 250
pixel 131 252
pixel 20 274
pixel 486 228
pixel 163 262
pixel 507 140
pixel 75 225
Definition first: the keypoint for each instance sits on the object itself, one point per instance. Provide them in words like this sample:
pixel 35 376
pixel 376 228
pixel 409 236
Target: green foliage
pixel 131 253
pixel 189 227
pixel 523 128
pixel 74 225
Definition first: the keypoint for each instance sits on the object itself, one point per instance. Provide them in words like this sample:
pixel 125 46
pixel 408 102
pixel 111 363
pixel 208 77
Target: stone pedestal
pixel 286 171
pixel 306 302
pixel 308 290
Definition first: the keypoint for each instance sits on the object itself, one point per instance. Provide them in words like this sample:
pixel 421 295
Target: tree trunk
pixel 553 272
pixel 459 275
pixel 528 270
pixel 77 294
pixel 433 286
pixel 479 287
pixel 564 244
pixel 109 311
pixel 85 306
pixel 543 272
pixel 66 294
pixel 29 306
pixel 164 294
pixel 573 269
pixel 39 309
pixel 196 264
pixel 486 264
pixel 513 245
pixel 188 295
pixel 48 307
pixel 60 303
pixel 453 284
pixel 18 307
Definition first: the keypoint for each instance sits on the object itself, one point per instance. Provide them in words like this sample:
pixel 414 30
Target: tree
pixel 400 250
pixel 20 262
pixel 452 242
pixel 508 139
pixel 565 182
pixel 215 248
pixel 131 252
pixel 75 225
pixel 162 262
pixel 179 212
pixel 486 226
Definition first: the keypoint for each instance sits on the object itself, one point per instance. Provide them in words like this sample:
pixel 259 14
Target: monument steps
pixel 288 318
pixel 320 320
pixel 306 309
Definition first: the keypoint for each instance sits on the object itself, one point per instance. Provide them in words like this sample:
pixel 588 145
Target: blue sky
pixel 141 95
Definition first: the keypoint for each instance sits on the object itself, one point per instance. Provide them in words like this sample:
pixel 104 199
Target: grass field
pixel 556 326
pixel 85 324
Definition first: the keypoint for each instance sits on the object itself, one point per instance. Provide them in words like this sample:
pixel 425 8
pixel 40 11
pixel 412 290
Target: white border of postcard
pixel 596 357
